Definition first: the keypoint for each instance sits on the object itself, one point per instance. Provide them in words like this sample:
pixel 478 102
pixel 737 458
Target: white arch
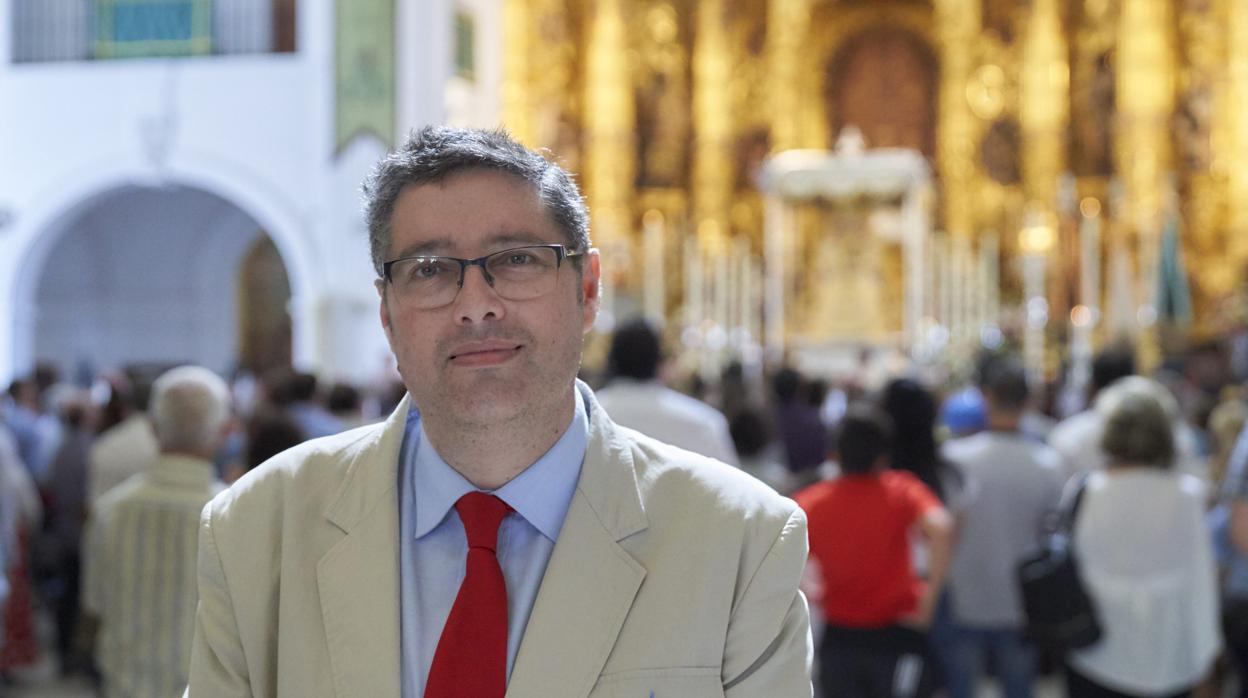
pixel 42 226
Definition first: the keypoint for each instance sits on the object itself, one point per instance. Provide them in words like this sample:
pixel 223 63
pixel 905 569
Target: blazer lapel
pixel 358 578
pixel 591 581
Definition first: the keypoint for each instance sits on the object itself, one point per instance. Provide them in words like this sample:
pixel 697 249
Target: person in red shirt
pixel 875 606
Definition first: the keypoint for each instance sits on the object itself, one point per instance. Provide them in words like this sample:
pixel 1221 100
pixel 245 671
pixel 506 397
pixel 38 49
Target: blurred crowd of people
pixel 101 486
pixel 923 497
pixel 921 500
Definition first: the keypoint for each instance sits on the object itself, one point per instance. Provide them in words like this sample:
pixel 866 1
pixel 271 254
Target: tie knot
pixel 481 513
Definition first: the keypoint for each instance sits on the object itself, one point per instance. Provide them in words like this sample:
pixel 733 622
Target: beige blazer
pixel 673 575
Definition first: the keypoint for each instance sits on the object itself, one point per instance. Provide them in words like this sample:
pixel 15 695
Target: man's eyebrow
pixel 445 246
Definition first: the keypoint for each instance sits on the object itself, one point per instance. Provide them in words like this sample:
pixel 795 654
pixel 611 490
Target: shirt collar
pixel 183 470
pixel 541 493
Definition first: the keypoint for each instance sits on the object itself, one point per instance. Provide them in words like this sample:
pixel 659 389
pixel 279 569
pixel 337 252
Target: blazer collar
pixel 358 576
pixel 372 472
pixel 608 477
pixel 591 580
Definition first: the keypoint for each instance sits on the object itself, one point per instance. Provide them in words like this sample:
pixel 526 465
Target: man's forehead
pixel 470 212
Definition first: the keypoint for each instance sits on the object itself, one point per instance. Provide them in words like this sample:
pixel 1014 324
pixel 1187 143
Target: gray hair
pixel 434 153
pixel 1109 398
pixel 189 405
pixel 1137 429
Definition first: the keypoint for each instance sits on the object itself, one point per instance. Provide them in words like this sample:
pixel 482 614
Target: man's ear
pixel 591 288
pixel 380 285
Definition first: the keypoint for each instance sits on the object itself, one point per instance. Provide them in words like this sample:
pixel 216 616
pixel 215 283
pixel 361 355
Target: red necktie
pixel 471 659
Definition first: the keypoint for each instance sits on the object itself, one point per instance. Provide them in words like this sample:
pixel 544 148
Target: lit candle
pixel 745 290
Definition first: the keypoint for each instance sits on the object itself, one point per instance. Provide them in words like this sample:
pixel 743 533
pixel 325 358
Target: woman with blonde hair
pixel 1146 560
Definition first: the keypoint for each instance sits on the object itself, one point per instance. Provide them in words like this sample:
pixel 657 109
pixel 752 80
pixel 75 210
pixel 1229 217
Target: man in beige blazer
pixel 671 574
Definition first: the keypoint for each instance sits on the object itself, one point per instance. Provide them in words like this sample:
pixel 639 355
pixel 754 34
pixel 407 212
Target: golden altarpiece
pixel 1070 133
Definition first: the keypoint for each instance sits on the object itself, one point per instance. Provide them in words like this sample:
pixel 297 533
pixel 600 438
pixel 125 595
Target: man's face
pixel 482 359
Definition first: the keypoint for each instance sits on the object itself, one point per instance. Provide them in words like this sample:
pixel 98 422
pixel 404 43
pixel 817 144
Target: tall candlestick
pixel 775 231
pixel 1090 256
pixel 945 280
pixel 745 290
pixel 723 289
pixel 655 275
pixel 693 285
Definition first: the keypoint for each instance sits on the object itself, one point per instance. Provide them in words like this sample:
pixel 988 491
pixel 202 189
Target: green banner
pixel 465 46
pixel 364 71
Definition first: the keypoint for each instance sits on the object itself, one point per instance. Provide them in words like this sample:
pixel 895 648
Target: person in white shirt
pixel 141 544
pixel 1078 436
pixel 1147 562
pixel 637 399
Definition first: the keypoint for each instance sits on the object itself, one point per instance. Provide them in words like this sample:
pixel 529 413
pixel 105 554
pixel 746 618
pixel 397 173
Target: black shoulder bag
pixel 1060 614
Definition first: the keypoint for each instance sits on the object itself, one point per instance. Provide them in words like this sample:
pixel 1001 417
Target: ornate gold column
pixel 787 22
pixel 517 73
pixel 1145 101
pixel 1200 136
pixel 713 167
pixel 609 128
pixel 1234 113
pixel 1044 105
pixel 1044 112
pixel 957 29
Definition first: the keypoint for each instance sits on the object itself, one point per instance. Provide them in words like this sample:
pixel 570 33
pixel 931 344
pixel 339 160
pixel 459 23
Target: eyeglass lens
pixel 520 273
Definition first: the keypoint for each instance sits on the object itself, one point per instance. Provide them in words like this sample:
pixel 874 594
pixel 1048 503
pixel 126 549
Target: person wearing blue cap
pixel 964 413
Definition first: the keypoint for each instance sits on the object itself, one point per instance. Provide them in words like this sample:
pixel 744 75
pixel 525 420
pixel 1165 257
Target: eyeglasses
pixel 515 274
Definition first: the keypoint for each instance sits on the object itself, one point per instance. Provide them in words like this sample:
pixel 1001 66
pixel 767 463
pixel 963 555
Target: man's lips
pixel 484 353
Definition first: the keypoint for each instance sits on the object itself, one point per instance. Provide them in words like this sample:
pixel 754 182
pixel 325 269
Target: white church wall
pixel 257 130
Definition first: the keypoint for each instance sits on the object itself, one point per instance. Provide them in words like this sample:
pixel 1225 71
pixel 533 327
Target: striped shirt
pixel 139 576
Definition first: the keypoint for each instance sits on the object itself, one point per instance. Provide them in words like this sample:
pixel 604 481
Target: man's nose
pixel 477 300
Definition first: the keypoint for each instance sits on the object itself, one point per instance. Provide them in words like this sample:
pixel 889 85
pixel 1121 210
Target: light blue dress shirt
pixel 434 547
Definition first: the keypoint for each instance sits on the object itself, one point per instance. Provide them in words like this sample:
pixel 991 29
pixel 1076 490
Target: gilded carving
pixel 1093 84
pixel 896 113
pixel 674 104
pixel 662 96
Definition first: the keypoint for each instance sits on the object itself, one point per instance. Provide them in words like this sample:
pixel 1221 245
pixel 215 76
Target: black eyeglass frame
pixel 561 253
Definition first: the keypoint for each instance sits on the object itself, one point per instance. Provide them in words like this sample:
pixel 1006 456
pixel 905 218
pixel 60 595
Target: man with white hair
pixel 1078 438
pixel 140 551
